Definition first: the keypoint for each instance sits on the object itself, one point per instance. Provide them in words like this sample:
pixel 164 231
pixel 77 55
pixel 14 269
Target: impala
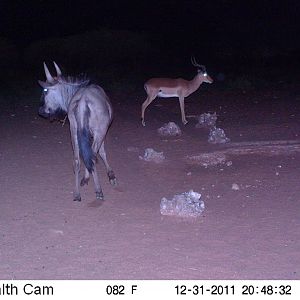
pixel 171 87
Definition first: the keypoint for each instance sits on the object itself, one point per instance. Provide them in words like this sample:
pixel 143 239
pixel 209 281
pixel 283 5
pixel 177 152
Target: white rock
pixel 235 187
pixel 152 155
pixel 169 129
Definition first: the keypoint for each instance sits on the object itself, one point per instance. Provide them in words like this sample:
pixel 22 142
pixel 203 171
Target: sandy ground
pixel 250 232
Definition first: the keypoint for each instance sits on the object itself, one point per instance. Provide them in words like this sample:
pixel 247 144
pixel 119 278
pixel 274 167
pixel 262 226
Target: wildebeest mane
pixel 79 81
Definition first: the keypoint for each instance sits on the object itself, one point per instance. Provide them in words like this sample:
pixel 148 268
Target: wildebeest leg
pixel 77 196
pixel 86 178
pixel 110 172
pixel 76 162
pixel 98 189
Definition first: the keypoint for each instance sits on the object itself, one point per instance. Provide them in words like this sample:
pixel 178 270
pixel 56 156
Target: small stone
pixel 235 187
pixel 169 129
pixel 152 155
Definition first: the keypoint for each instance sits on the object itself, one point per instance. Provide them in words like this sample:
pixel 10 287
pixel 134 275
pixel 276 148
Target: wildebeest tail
pixel 85 140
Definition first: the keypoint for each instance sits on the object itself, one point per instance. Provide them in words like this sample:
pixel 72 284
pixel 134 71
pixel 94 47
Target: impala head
pixel 201 71
pixel 52 102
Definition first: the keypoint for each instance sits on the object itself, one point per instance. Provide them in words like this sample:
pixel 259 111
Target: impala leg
pixel 144 106
pixel 183 118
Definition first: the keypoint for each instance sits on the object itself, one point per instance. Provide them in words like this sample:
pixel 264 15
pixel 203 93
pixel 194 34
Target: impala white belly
pixel 166 95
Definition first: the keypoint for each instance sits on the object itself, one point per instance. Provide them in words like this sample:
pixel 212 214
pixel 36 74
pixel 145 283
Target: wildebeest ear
pixel 43 84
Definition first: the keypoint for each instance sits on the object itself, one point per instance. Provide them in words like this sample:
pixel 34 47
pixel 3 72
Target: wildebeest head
pixel 52 101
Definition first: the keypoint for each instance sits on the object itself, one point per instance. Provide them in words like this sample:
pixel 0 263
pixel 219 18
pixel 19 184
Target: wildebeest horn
pixel 48 75
pixel 58 71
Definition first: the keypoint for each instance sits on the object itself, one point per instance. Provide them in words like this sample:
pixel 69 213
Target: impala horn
pixel 195 64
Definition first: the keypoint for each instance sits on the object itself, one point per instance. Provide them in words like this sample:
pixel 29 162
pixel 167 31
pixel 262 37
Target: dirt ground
pixel 249 232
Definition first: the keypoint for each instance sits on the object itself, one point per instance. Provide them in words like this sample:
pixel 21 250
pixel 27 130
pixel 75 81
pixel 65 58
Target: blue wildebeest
pixel 90 114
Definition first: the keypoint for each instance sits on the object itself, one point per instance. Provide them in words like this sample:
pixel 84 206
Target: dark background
pixel 247 43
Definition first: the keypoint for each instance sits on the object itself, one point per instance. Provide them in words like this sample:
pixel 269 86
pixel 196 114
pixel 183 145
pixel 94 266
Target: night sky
pixel 186 27
pixel 262 21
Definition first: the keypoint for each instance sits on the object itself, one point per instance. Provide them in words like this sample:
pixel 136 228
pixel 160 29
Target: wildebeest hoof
pixel 84 181
pixel 99 195
pixel 77 198
pixel 112 177
pixel 113 181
